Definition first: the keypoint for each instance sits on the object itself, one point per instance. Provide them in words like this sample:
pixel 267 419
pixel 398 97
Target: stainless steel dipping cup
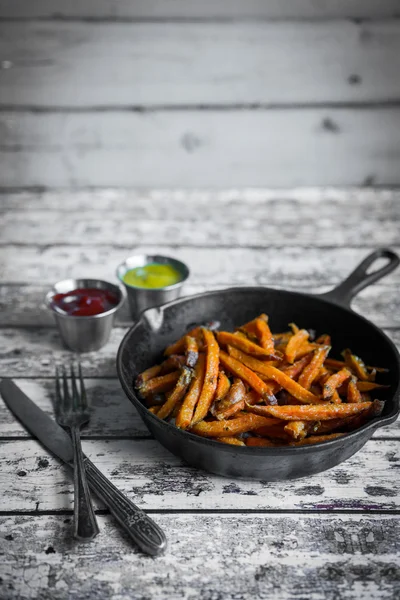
pixel 84 334
pixel 141 298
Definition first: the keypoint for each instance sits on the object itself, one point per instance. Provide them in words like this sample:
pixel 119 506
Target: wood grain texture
pixel 201 148
pixel 297 204
pixel 129 64
pixel 321 557
pixel 209 266
pixel 285 222
pixel 112 414
pixel 192 9
pixel 155 479
pixel 27 353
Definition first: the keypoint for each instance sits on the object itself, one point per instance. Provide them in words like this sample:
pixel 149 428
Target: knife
pixel 139 526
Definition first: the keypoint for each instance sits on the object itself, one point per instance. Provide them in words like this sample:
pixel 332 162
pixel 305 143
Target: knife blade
pixel 140 527
pixel 43 427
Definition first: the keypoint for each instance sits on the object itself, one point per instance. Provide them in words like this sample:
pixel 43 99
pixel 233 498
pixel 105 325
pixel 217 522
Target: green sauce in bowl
pixel 152 276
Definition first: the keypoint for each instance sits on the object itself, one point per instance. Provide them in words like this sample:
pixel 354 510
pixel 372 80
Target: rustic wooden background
pixel 119 95
pixel 189 93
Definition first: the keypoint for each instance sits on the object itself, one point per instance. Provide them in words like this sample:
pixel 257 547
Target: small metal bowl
pixel 84 334
pixel 142 298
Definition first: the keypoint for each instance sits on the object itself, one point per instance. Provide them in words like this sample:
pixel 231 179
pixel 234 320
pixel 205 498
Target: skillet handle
pixel 360 278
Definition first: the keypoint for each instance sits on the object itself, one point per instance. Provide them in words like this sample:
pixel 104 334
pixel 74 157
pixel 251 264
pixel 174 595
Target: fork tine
pixel 84 401
pixel 67 398
pixel 76 399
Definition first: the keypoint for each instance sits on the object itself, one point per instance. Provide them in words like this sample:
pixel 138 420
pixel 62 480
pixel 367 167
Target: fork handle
pixel 138 525
pixel 85 524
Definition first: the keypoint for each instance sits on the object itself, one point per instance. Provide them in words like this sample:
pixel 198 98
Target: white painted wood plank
pixel 27 353
pixel 124 64
pixel 287 225
pixel 278 266
pixel 155 479
pixel 187 9
pixel 319 556
pixel 22 305
pixel 112 414
pixel 297 204
pixel 201 148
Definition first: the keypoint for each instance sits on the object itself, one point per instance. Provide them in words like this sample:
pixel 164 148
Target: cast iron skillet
pixel 330 313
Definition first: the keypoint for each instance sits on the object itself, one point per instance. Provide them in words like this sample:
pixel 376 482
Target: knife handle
pixel 139 526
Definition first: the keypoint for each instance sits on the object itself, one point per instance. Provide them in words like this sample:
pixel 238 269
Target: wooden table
pixel 334 535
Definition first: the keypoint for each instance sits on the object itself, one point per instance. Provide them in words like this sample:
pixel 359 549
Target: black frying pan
pixel 330 313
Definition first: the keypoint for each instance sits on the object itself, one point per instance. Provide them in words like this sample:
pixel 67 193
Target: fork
pixel 72 412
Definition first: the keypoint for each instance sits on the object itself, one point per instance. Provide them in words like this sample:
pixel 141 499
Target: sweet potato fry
pixel 324 340
pixel 335 381
pixel 264 335
pixel 191 351
pixel 305 349
pixel 164 383
pixel 173 363
pixel 147 375
pixel 353 393
pixel 233 401
pixel 281 339
pixel 224 339
pixel 295 342
pixel 261 442
pixel 335 398
pixel 210 378
pixel 334 424
pixel 352 422
pixel 253 398
pixel 311 371
pixel 185 414
pixel 239 354
pixel 233 441
pixel 230 427
pixel 323 374
pixel 177 394
pixel 240 370
pixel 332 363
pixel 250 328
pixel 297 430
pixel 273 431
pixel 179 346
pixel 317 439
pixel 321 412
pixel 297 367
pixel 356 365
pixel 223 386
pixel 154 409
pixel 231 410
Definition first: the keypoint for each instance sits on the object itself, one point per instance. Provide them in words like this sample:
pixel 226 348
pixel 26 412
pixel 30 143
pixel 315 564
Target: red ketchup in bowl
pixel 85 302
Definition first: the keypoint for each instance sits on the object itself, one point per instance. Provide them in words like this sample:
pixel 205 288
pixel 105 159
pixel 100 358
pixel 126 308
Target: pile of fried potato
pixel 256 388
